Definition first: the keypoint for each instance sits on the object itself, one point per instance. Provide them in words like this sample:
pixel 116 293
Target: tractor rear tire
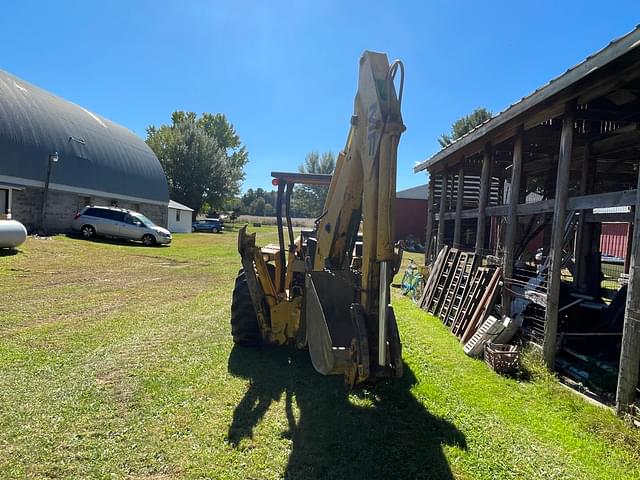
pixel 244 321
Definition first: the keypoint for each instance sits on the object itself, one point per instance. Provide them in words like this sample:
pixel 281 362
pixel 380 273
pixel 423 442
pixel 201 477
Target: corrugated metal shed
pixel 96 156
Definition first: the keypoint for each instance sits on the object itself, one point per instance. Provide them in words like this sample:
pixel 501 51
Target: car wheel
pixel 193 230
pixel 87 231
pixel 214 230
pixel 148 240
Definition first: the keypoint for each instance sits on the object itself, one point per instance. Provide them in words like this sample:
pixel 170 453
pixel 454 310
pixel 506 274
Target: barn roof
pixel 546 101
pixel 96 156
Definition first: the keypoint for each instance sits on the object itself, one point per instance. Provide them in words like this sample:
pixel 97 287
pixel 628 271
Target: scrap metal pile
pixel 463 295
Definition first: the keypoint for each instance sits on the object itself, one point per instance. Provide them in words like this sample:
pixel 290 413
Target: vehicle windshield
pixel 146 222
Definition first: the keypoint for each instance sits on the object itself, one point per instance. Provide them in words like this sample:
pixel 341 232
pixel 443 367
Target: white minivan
pixel 119 223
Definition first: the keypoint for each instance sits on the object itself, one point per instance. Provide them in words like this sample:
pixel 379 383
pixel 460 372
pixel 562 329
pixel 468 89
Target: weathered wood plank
pixel 512 220
pixel 430 215
pixel 457 226
pixel 586 202
pixel 557 236
pixel 485 178
pixel 443 209
pixel 630 354
pixel 583 231
pixel 609 217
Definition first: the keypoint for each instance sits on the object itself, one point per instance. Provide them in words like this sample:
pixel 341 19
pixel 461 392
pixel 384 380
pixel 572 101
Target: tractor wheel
pixel 244 322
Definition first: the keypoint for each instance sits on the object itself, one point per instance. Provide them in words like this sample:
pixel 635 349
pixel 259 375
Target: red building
pixel 613 239
pixel 411 213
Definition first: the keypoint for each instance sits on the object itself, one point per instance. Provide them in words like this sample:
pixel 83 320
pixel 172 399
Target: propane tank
pixel 12 233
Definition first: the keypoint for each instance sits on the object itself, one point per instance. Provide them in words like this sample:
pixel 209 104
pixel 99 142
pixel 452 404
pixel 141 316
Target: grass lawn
pixel 116 362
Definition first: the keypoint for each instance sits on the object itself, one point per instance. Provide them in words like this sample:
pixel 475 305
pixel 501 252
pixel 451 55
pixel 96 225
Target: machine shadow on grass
pixel 379 433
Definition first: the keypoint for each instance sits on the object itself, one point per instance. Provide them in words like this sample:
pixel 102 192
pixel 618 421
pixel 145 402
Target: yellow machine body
pixel 328 290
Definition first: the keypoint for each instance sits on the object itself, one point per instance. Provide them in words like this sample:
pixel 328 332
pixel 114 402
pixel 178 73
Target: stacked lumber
pixel 460 293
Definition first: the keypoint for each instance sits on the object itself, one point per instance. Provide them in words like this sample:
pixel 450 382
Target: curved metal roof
pixel 96 156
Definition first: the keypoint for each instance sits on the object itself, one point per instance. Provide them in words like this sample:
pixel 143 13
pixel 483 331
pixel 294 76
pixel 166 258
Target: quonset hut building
pixel 56 157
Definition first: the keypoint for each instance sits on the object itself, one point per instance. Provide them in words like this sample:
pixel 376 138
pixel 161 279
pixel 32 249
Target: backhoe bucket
pixel 335 336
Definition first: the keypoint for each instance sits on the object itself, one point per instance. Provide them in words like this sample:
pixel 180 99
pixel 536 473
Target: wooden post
pixel 627 253
pixel 512 220
pixel 429 229
pixel 443 208
pixel 630 354
pixel 457 225
pixel 485 183
pixel 583 231
pixel 557 235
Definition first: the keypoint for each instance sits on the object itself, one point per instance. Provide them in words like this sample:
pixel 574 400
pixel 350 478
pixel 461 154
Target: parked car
pixel 119 223
pixel 212 225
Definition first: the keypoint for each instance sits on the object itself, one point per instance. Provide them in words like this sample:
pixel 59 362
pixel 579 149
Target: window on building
pixel 177 215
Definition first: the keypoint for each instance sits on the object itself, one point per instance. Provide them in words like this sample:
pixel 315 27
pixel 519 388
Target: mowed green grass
pixel 116 362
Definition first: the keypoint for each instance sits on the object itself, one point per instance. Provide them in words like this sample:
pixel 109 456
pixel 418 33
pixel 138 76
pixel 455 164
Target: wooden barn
pixel 560 165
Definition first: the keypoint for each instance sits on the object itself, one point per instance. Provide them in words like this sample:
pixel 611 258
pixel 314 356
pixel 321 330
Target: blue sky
pixel 285 73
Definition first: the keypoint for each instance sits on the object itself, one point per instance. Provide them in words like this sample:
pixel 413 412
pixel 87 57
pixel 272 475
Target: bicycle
pixel 413 282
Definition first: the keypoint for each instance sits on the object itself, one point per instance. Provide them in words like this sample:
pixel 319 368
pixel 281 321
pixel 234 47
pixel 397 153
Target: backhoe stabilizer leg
pixel 245 241
pixel 359 371
pixel 394 343
pixel 246 248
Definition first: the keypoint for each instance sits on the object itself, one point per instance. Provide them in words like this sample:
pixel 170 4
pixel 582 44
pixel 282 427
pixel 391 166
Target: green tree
pixel 257 206
pixel 464 125
pixel 203 158
pixel 269 210
pixel 248 200
pixel 308 200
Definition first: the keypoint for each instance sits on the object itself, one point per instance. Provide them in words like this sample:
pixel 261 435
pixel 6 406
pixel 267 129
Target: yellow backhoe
pixel 328 289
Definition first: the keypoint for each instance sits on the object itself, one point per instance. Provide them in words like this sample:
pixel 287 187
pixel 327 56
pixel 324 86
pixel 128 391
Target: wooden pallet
pixel 484 307
pixel 444 279
pixel 475 291
pixel 448 294
pixel 457 290
pixel 436 269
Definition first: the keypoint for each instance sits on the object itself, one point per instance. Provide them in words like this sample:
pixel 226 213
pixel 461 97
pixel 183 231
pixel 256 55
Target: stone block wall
pixel 61 206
